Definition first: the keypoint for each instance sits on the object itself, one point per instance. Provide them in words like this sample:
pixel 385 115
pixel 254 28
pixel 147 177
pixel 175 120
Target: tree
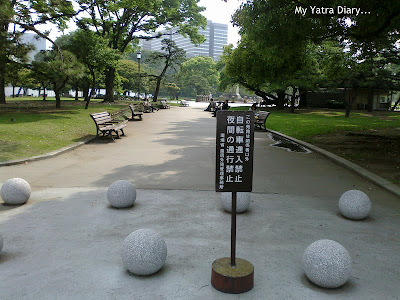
pixel 128 72
pixel 17 17
pixel 275 54
pixel 345 70
pixel 201 73
pixel 123 22
pixel 170 56
pixel 280 40
pixel 173 89
pixel 57 69
pixel 18 76
pixel 91 50
pixel 269 73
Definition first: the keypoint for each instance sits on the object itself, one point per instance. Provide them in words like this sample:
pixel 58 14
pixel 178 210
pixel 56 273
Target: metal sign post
pixel 233 229
pixel 234 173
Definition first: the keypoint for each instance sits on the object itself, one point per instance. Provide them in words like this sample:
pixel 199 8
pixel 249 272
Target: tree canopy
pixel 169 56
pixel 17 17
pixel 282 42
pixel 122 23
pixel 200 73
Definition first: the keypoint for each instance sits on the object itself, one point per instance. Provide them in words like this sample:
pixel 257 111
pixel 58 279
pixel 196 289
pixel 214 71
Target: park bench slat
pixel 134 113
pixel 106 125
pixel 261 119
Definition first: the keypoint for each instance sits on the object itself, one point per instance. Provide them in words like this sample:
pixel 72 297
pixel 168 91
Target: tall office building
pixel 216 36
pixel 36 41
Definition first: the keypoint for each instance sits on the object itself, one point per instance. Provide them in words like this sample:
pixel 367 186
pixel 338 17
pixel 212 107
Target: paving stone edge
pixel 385 184
pixel 47 155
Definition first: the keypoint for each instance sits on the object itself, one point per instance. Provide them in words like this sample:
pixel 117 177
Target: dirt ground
pixel 375 150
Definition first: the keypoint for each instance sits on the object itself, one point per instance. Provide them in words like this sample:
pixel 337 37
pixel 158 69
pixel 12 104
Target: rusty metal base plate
pixel 232 279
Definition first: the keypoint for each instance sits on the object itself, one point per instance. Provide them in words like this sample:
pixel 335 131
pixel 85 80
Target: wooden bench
pixel 261 118
pixel 147 107
pixel 164 104
pixel 184 103
pixel 135 114
pixel 106 125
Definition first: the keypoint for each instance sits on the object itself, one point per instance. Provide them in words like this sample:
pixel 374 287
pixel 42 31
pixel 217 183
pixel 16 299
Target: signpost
pixel 234 173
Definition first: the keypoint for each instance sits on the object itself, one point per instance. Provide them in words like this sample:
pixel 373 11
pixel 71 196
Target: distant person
pixel 253 108
pixel 148 105
pixel 225 106
pixel 210 106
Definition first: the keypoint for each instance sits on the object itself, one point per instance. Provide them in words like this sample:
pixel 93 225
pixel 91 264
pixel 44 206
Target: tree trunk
pixel 3 59
pixel 57 91
pixel 58 98
pixel 13 91
pixel 281 100
pixel 3 56
pixel 370 100
pixel 157 91
pixel 109 82
pixel 2 88
pixel 44 94
pixel 349 102
pixel 92 89
pixel 85 91
pixel 76 94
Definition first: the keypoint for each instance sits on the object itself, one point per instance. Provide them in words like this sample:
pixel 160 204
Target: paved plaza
pixel 65 242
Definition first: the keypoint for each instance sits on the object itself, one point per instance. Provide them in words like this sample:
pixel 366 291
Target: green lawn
pixel 29 129
pixel 305 124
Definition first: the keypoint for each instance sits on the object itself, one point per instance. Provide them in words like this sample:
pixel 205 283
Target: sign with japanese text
pixel 234 154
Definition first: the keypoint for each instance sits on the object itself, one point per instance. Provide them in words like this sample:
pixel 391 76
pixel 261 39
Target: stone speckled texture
pixel 121 194
pixel 355 205
pixel 144 252
pixel 242 201
pixel 15 191
pixel 327 264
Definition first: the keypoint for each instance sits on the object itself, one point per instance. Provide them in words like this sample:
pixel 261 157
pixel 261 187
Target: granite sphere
pixel 15 191
pixel 355 205
pixel 144 252
pixel 242 201
pixel 121 194
pixel 1 242
pixel 327 264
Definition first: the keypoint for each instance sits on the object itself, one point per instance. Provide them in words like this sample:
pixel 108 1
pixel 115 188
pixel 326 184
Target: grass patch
pixel 304 124
pixel 28 129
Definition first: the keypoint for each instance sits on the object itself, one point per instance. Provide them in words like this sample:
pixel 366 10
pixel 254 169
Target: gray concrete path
pixel 65 242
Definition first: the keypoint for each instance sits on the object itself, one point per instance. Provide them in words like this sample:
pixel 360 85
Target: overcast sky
pixel 221 12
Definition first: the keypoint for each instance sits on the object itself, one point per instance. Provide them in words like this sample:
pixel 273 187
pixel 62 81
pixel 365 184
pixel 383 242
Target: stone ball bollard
pixel 242 201
pixel 355 205
pixel 327 264
pixel 1 242
pixel 15 191
pixel 144 252
pixel 121 194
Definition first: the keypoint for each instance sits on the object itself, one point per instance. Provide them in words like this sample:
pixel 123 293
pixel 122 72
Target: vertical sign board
pixel 234 161
pixel 234 173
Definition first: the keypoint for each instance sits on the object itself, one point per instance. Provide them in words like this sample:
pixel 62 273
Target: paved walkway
pixel 65 242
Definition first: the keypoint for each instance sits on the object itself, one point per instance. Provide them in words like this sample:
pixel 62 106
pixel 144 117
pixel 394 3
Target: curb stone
pixel 47 155
pixel 383 183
